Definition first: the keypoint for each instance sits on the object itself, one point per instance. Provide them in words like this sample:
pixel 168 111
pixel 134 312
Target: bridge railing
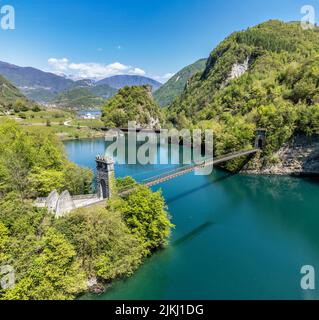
pixel 164 175
pixel 172 172
pixel 234 155
pixel 85 197
pixel 180 170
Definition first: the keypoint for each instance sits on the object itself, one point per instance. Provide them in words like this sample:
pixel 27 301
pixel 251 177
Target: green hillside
pixel 41 95
pixel 10 96
pixel 175 86
pixel 82 95
pixel 78 98
pixel 132 104
pixel 103 91
pixel 266 76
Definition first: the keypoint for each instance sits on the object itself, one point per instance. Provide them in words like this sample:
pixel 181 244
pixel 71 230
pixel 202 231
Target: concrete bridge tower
pixel 105 176
pixel 260 141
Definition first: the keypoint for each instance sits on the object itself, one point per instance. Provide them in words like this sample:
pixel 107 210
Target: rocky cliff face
pixel 298 156
pixel 239 69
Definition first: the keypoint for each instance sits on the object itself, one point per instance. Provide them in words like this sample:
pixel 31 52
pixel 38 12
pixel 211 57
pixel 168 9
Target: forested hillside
pixel 132 104
pixel 175 86
pixel 12 98
pixel 58 259
pixel 83 94
pixel 266 76
pixel 77 98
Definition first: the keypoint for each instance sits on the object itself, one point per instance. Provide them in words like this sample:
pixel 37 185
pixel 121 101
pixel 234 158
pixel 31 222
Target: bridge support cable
pixel 178 172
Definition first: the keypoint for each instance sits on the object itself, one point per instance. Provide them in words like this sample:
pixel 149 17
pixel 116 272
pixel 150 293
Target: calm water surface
pixel 236 237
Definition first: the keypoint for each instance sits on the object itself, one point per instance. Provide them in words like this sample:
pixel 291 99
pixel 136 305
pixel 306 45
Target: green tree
pixel 33 163
pixel 42 182
pixel 105 247
pixel 53 272
pixel 4 241
pixel 145 215
pixel 77 180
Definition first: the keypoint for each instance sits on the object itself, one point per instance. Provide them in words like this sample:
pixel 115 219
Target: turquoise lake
pixel 236 236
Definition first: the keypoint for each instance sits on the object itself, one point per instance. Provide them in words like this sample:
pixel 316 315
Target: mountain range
pixel 49 88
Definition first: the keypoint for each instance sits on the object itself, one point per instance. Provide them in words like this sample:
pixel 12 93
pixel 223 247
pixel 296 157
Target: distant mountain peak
pixel 121 81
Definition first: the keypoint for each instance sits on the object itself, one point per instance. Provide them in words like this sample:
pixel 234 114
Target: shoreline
pixel 283 174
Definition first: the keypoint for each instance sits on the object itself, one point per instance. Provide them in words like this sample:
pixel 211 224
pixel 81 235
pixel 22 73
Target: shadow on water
pixel 313 179
pixel 204 186
pixel 191 235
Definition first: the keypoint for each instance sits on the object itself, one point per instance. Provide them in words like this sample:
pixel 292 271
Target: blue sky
pixel 155 38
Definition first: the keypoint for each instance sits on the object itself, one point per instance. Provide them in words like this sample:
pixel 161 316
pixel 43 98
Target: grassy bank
pixel 64 124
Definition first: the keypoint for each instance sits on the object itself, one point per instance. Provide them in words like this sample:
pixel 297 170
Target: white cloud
pixel 92 70
pixel 59 64
pixel 138 72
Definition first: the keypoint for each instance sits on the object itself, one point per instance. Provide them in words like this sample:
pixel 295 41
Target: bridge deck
pixel 191 168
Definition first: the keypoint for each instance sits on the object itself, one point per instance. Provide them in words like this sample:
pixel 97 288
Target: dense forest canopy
pixel 278 91
pixel 58 258
pixel 132 104
pixel 33 163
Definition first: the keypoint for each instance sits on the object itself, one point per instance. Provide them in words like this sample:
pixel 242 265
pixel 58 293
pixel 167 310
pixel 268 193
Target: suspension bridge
pixel 65 203
pixel 181 171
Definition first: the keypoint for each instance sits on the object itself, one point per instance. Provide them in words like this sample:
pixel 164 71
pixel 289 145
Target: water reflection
pixel 288 203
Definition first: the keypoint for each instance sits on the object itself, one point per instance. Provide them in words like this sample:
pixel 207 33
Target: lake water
pixel 236 236
pixel 95 113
